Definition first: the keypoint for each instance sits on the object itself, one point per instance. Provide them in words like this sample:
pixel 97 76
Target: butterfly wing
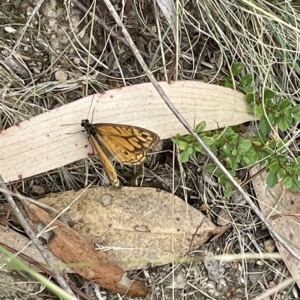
pixel 101 151
pixel 127 144
pixel 105 162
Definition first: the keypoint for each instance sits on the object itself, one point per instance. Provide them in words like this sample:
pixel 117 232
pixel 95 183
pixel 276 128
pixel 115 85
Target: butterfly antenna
pixel 91 104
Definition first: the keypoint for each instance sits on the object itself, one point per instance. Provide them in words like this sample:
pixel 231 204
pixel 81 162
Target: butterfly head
pixel 85 122
pixel 89 128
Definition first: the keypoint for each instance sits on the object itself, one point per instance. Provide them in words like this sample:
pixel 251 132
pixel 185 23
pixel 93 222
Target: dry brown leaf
pixel 54 139
pixel 277 201
pixel 136 226
pixel 93 265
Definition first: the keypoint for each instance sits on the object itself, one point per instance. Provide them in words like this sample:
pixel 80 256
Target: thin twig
pixel 190 129
pixel 34 239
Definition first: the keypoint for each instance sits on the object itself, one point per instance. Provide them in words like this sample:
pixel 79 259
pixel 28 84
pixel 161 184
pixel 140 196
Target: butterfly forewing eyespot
pixel 126 144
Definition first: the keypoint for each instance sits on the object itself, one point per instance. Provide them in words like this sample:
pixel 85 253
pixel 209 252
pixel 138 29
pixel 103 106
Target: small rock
pixel 37 189
pixel 269 246
pixel 61 75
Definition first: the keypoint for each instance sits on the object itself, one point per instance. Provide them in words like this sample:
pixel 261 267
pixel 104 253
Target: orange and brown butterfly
pixel 124 143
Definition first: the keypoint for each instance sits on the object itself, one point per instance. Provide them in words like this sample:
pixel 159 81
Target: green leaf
pixel 175 139
pixel 182 145
pixel 178 139
pixel 229 131
pixel 200 127
pixel 272 119
pixel 190 150
pixel 274 166
pixel 295 111
pixel 250 97
pixel 246 89
pixel 237 68
pixel 228 189
pixel 228 83
pixel 288 182
pixel 233 163
pixel 269 95
pixel 198 148
pixel 284 104
pixel 238 158
pixel 184 156
pixel 246 80
pixel 285 122
pixel 260 111
pixel 208 140
pixel 272 180
pixel 214 149
pixel 244 146
pixel 264 125
pixel 249 158
pixel 295 185
pixel 210 167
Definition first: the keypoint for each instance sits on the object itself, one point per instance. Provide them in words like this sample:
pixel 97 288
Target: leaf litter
pixel 135 227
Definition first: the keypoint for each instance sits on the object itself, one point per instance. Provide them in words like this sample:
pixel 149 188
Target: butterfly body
pixel 124 143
